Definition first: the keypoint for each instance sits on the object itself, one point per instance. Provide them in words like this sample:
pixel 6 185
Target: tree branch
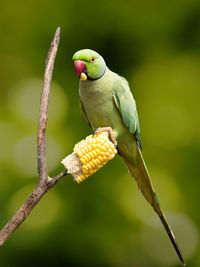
pixel 44 100
pixel 45 182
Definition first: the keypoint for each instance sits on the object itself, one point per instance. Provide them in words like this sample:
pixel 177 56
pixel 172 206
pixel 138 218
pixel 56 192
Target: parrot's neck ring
pixel 94 79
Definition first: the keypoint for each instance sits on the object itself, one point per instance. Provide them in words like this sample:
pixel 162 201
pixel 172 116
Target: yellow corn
pixel 89 155
pixel 94 152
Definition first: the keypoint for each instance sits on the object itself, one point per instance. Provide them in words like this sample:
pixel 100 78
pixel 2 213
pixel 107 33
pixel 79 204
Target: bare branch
pixel 22 213
pixel 27 207
pixel 52 181
pixel 45 182
pixel 41 142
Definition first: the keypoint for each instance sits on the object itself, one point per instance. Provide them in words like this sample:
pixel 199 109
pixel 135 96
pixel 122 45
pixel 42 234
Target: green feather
pixel 83 113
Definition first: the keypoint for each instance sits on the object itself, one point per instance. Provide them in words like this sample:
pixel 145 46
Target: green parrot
pixel 106 101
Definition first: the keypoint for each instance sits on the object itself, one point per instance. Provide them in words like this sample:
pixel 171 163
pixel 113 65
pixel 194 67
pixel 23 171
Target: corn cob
pixel 89 155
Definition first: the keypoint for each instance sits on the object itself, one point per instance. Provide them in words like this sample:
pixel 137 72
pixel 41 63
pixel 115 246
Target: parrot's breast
pixel 97 99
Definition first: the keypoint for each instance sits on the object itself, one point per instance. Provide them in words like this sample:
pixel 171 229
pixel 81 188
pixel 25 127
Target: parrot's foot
pixel 110 132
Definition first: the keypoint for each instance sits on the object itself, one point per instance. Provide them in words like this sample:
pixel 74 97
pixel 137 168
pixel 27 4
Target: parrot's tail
pixel 141 175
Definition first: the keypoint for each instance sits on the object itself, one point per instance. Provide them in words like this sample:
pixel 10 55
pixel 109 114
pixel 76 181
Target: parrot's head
pixel 89 64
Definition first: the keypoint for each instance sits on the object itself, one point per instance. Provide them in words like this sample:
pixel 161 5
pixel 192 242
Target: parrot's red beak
pixel 79 67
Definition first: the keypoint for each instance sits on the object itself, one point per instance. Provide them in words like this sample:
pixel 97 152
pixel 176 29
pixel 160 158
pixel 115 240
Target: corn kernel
pixel 91 155
pixel 94 154
pixel 98 151
pixel 99 145
pixel 94 161
pixel 98 162
pixel 88 157
pixel 107 154
pixel 92 164
pixel 89 166
pixel 105 158
pixel 100 158
pixel 83 161
pixel 85 167
pixel 106 145
pixel 93 146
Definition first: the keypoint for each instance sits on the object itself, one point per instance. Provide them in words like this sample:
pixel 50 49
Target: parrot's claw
pixel 110 132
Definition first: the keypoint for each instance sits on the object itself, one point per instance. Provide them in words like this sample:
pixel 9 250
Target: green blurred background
pixel 103 221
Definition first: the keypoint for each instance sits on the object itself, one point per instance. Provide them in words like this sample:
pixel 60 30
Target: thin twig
pixel 45 182
pixel 52 181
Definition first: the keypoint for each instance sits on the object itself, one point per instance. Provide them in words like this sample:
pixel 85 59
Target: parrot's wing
pixel 83 113
pixel 125 102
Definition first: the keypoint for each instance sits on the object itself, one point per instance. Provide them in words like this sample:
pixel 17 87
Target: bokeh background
pixel 103 221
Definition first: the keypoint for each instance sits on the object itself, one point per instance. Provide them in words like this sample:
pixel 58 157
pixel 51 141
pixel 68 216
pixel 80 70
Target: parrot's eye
pixel 92 59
